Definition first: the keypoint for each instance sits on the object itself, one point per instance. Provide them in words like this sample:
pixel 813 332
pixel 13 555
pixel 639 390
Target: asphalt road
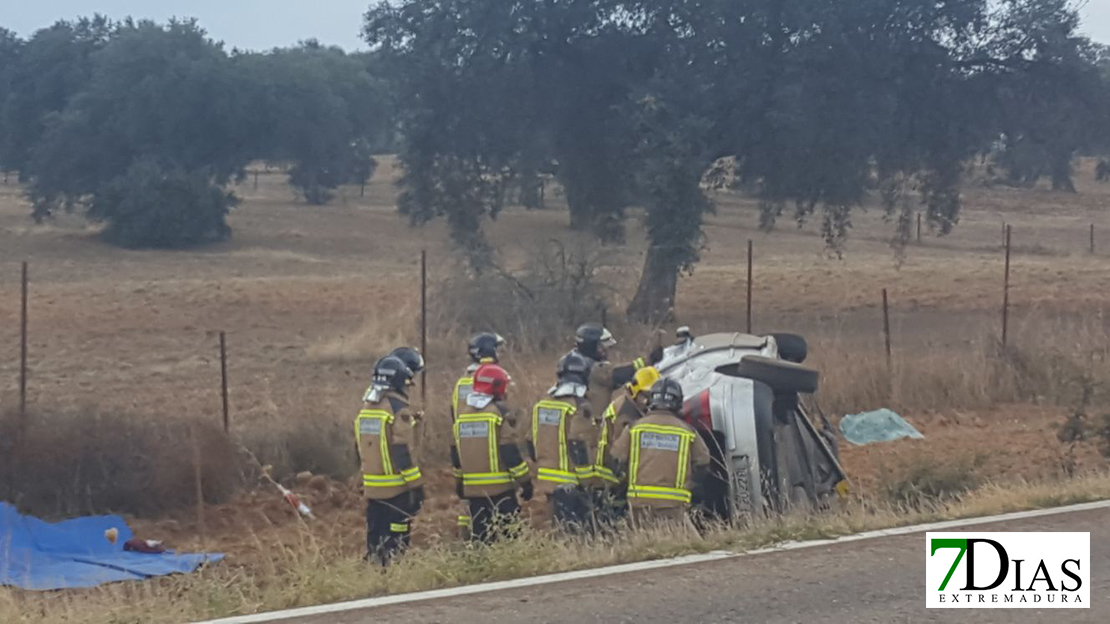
pixel 877 580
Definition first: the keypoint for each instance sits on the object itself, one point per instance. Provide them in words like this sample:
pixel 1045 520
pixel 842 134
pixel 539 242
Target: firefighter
pixel 483 348
pixel 415 361
pixel 558 443
pixel 486 454
pixel 663 458
pixel 627 408
pixel 411 357
pixel 391 479
pixel 593 342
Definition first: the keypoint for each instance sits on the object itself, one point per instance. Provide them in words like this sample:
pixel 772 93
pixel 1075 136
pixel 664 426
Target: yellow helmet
pixel 644 379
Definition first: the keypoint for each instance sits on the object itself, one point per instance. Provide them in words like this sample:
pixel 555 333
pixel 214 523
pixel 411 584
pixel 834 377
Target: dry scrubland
pixel 123 346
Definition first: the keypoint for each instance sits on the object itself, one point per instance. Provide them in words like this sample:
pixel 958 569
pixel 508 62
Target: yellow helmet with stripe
pixel 644 379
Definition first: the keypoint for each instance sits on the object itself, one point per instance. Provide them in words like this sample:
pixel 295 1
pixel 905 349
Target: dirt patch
pixel 1001 444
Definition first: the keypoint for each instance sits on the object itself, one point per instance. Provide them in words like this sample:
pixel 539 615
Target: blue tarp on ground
pixel 880 425
pixel 40 555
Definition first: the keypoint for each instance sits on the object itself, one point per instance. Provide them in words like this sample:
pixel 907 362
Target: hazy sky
pixel 251 24
pixel 263 24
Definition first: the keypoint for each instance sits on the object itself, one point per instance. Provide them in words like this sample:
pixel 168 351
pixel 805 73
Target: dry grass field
pixel 311 296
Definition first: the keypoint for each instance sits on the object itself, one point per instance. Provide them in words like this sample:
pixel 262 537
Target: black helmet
pixel 573 368
pixel 392 372
pixel 666 394
pixel 411 357
pixel 590 336
pixel 484 346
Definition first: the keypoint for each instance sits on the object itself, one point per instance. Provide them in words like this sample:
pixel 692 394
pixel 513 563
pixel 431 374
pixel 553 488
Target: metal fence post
pixel 1006 292
pixel 223 382
pixel 749 305
pixel 23 349
pixel 424 325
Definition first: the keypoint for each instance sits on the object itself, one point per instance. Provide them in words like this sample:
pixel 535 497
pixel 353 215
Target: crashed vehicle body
pixel 742 394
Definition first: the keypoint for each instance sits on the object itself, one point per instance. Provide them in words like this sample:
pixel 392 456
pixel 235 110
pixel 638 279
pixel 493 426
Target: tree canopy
pixel 809 106
pixel 11 49
pixel 323 112
pixel 155 132
pixel 142 125
pixel 50 68
pixel 632 102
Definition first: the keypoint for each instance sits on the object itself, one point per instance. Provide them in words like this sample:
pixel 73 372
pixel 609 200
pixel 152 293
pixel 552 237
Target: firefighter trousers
pixel 494 517
pixel 388 523
pixel 610 507
pixel 571 509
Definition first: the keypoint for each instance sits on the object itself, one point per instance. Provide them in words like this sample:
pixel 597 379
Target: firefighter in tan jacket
pixel 664 459
pixel 593 342
pixel 558 441
pixel 483 349
pixel 391 479
pixel 486 454
pixel 602 482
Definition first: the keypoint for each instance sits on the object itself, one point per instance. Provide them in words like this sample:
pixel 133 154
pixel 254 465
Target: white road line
pixel 465 590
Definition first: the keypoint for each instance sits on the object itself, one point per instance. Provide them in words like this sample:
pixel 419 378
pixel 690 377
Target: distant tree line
pixel 142 126
pixel 808 104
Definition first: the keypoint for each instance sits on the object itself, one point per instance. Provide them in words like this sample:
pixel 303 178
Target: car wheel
pixel 792 347
pixel 780 376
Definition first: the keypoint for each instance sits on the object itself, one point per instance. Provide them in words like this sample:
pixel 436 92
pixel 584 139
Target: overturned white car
pixel 742 393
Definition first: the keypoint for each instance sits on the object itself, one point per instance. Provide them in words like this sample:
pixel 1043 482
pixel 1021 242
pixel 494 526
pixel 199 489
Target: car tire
pixel 779 375
pixel 792 347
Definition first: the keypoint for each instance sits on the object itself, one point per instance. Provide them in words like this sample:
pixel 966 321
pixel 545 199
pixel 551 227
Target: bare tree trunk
pixel 1061 181
pixel 654 300
pixel 581 212
pixel 1062 172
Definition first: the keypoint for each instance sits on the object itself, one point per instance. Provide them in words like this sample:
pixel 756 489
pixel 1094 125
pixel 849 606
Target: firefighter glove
pixel 526 491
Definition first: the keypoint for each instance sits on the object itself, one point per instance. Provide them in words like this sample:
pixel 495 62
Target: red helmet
pixel 491 380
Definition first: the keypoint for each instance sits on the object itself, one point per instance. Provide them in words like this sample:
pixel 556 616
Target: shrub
pixel 322 447
pixel 1104 436
pixel 150 207
pixel 925 482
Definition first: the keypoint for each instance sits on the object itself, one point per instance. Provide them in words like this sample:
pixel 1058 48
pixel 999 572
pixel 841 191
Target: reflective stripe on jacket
pixel 458 396
pixel 606 380
pixel 662 453
pixel 384 437
pixel 489 459
pixel 671 445
pixel 621 413
pixel 551 420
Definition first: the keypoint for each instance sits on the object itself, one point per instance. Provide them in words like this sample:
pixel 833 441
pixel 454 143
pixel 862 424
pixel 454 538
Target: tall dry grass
pixel 1048 360
pixel 318 564
pixel 87 461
